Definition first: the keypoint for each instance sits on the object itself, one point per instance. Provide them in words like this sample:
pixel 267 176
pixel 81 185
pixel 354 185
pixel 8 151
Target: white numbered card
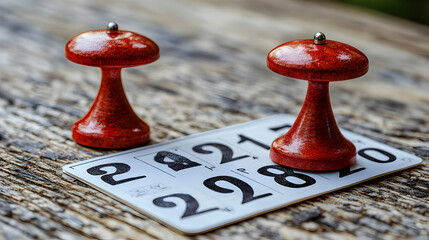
pixel 208 180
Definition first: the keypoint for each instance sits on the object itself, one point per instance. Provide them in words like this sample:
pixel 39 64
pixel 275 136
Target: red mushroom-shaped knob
pixel 111 122
pixel 314 142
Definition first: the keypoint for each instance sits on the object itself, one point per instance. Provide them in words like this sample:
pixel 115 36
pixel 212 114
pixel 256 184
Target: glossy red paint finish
pixel 99 48
pixel 314 142
pixel 333 61
pixel 111 123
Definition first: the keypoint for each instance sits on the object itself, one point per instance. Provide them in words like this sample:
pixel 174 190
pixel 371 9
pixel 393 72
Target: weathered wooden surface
pixel 211 74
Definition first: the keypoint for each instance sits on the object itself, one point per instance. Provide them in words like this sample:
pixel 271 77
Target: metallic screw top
pixel 319 38
pixel 112 27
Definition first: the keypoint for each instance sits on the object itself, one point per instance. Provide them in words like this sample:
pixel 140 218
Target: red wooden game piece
pixel 314 142
pixel 111 122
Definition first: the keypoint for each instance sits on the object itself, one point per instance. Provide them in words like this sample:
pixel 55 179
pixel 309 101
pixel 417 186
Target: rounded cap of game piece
pixel 111 47
pixel 317 59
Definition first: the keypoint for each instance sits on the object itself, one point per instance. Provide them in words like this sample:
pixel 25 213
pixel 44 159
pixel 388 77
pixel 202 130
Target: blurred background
pixel 414 10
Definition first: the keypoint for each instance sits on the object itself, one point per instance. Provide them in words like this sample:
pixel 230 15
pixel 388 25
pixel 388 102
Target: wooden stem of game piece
pixel 314 142
pixel 111 122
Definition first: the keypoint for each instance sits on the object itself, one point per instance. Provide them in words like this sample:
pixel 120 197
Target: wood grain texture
pixel 212 73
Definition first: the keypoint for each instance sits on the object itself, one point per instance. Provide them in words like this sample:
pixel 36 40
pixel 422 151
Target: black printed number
pixel 286 172
pixel 246 189
pixel 192 204
pixel 363 152
pixel 390 157
pixel 174 161
pixel 257 143
pixel 108 178
pixel 347 171
pixel 227 153
pixel 278 128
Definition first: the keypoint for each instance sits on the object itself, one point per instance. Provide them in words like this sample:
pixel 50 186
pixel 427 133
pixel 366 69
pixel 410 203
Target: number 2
pixel 246 189
pixel 192 204
pixel 108 178
pixel 226 151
